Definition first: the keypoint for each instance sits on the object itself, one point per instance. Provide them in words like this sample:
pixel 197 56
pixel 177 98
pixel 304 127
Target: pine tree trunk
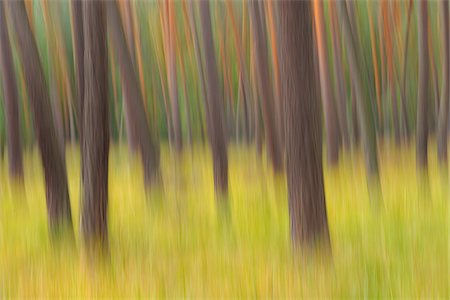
pixel 443 107
pixel 134 108
pixel 329 107
pixel 338 72
pixel 10 98
pixel 214 104
pixel 365 118
pixel 265 86
pixel 303 125
pixel 95 144
pixel 422 94
pixel 172 79
pixel 78 42
pixel 53 161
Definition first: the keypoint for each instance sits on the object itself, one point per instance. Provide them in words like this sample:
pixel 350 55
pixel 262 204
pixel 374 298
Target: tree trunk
pixel 443 107
pixel 134 108
pixel 422 94
pixel 10 101
pixel 265 86
pixel 172 79
pixel 53 161
pixel 329 107
pixel 95 144
pixel 214 104
pixel 78 42
pixel 303 125
pixel 339 83
pixel 365 118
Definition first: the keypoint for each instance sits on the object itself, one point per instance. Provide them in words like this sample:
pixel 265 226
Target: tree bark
pixel 53 161
pixel 443 107
pixel 303 125
pixel 265 86
pixel 10 101
pixel 329 107
pixel 95 144
pixel 422 94
pixel 214 104
pixel 134 108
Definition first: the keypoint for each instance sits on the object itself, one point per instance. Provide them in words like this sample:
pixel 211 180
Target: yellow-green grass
pixel 177 241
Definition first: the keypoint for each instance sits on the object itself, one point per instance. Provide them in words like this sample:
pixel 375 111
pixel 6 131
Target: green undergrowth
pixel 177 241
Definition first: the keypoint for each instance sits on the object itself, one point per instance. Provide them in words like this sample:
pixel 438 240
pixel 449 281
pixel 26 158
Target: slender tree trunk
pixel 375 65
pixel 243 73
pixel 422 94
pixel 264 86
pixel 171 64
pixel 187 108
pixel 338 71
pixel 329 107
pixel 303 125
pixel 78 42
pixel 214 107
pixel 272 22
pixel 405 60
pixel 10 101
pixel 443 107
pixel 363 102
pixel 95 145
pixel 57 194
pixel 134 108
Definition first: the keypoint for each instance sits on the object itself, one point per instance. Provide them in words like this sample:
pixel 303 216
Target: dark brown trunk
pixel 53 161
pixel 10 101
pixel 422 93
pixel 303 125
pixel 214 104
pixel 134 108
pixel 443 107
pixel 95 145
pixel 329 107
pixel 265 86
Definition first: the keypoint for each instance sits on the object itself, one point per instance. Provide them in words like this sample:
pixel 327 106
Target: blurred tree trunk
pixel 303 125
pixel 273 26
pixel 171 65
pixel 245 92
pixel 375 65
pixel 53 161
pixel 265 86
pixel 78 44
pixel 338 72
pixel 405 60
pixel 387 28
pixel 443 107
pixel 329 107
pixel 134 108
pixel 422 93
pixel 214 104
pixel 10 98
pixel 95 145
pixel 358 74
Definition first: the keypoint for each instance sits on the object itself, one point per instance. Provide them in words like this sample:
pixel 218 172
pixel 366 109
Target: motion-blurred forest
pixel 224 149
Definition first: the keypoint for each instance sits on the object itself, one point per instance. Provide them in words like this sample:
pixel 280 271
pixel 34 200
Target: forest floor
pixel 178 242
